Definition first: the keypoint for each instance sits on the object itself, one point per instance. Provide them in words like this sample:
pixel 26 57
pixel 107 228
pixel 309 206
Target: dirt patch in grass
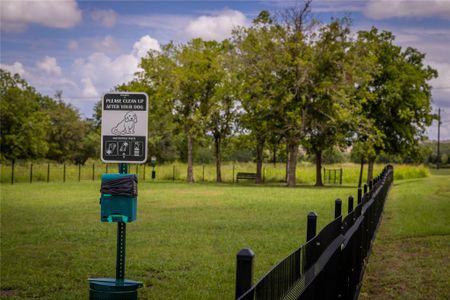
pixel 5 293
pixel 412 268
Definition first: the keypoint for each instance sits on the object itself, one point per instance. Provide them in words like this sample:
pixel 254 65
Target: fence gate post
pixel 232 180
pixel 93 171
pixel 340 177
pixel 13 162
pixel 31 172
pixel 64 173
pixel 244 271
pixel 79 172
pixel 337 208
pixel 173 173
pixel 48 172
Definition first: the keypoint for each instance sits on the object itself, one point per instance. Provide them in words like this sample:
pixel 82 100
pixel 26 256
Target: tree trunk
pixel 190 172
pixel 370 169
pixel 361 170
pixel 217 142
pixel 259 158
pixel 293 151
pixel 319 168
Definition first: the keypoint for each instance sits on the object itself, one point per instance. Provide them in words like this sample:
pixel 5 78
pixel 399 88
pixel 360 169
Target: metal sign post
pixel 124 140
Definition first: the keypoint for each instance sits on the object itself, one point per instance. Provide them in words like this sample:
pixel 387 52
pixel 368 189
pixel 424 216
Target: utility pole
pixel 439 137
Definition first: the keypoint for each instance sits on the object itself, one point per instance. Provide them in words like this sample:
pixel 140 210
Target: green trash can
pixel 112 289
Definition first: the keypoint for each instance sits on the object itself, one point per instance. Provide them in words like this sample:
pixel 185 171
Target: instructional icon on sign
pixel 124 148
pixel 126 125
pixel 137 148
pixel 111 148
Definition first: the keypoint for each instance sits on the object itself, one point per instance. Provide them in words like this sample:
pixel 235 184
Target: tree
pixel 257 50
pixel 297 53
pixel 400 105
pixel 328 118
pixel 223 109
pixel 67 130
pixel 186 76
pixel 23 124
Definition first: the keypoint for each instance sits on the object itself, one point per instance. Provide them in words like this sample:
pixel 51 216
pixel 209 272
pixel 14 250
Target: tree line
pixel 285 83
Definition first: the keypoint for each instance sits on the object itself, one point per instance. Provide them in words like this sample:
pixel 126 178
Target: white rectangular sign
pixel 124 127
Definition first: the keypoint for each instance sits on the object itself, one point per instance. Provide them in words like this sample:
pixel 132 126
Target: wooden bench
pixel 242 175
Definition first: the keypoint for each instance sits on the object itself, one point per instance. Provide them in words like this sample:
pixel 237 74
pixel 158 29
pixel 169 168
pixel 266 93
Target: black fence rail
pixel 329 265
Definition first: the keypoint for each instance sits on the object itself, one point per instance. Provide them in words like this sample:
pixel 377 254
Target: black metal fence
pixel 330 265
pixel 332 176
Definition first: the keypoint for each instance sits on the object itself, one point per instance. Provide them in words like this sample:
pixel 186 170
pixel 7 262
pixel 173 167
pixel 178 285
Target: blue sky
pixel 85 48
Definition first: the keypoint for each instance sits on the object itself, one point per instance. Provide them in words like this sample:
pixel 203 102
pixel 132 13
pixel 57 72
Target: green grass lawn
pixel 182 246
pixel 411 255
pixel 184 242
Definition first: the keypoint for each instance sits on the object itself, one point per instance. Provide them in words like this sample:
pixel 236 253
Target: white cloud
pixel 107 44
pixel 99 73
pixel 107 18
pixel 49 66
pixel 16 15
pixel 15 68
pixel 73 45
pixel 216 27
pixel 383 9
pixel 141 47
pixel 89 89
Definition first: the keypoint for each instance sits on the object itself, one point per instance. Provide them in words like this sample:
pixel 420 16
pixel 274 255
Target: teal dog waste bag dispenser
pixel 118 198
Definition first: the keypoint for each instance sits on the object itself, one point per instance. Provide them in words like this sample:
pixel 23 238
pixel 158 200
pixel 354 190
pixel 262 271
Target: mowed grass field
pixel 411 255
pixel 184 242
pixel 183 245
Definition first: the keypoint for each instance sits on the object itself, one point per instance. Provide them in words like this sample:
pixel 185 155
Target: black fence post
pixel 13 162
pixel 340 177
pixel 31 172
pixel 359 195
pixel 173 173
pixel 244 271
pixel 48 172
pixel 232 180
pixel 365 188
pixel 334 176
pixel 93 171
pixel 64 173
pixel 203 178
pixel 264 174
pixel 337 208
pixel 79 172
pixel 311 226
pixel 370 185
pixel 350 204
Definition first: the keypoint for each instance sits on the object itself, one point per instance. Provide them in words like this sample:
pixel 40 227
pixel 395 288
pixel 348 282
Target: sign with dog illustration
pixel 124 127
